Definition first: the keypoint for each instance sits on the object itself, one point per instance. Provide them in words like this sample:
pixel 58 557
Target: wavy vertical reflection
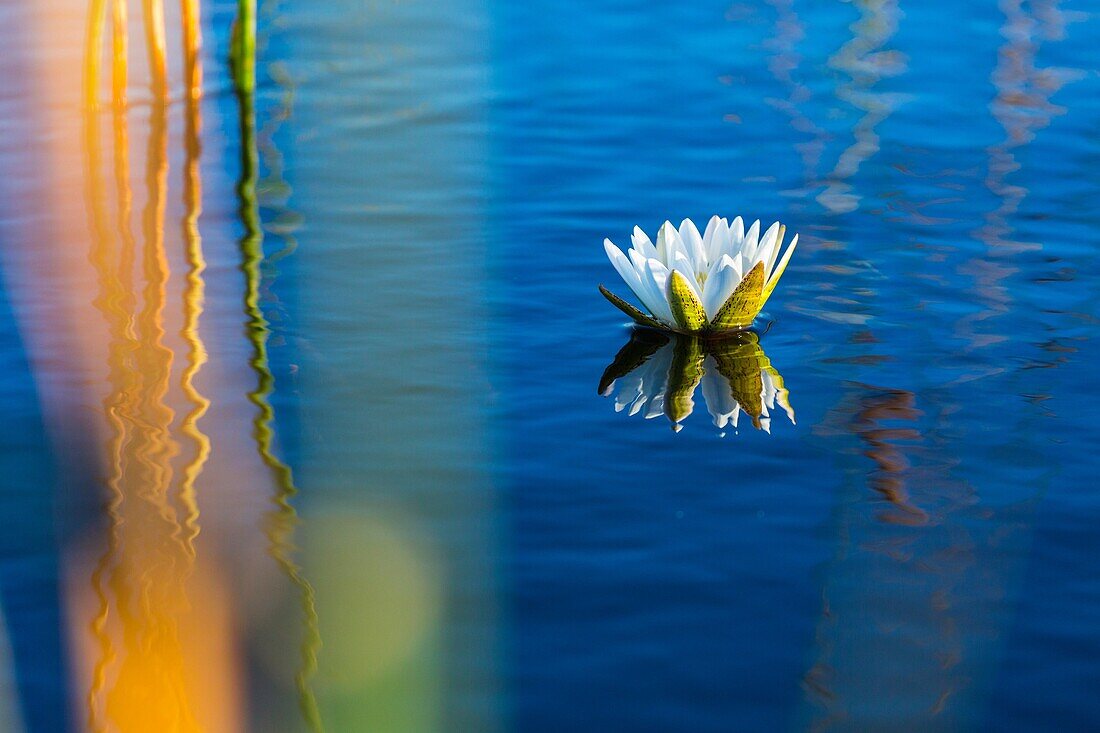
pixel 863 59
pixel 783 63
pixel 1021 106
pixel 282 519
pixel 194 289
pixel 146 665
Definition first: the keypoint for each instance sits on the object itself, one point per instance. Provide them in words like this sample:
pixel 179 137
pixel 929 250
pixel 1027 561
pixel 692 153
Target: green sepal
pixel 686 308
pixel 636 315
pixel 741 307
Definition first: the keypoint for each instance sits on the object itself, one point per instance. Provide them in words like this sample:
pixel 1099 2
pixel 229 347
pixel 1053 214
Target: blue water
pixel 491 544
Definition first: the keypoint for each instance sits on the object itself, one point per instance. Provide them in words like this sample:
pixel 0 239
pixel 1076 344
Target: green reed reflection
pixel 283 518
pixel 242 49
pixel 658 373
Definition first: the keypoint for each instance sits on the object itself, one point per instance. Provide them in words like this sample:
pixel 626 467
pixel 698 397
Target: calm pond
pixel 316 420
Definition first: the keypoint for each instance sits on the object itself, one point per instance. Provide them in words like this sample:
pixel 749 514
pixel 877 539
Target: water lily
pixel 658 374
pixel 700 283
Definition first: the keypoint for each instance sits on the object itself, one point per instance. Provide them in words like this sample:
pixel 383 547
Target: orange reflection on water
pixel 152 632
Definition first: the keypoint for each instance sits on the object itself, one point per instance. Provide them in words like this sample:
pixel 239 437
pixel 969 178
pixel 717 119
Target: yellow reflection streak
pixel 154 42
pixel 192 45
pixel 93 51
pixel 119 53
pixel 194 290
pixel 283 518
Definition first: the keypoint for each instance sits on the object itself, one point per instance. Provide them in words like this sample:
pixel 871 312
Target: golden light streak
pixel 119 51
pixel 192 45
pixel 154 43
pixel 193 299
pixel 93 50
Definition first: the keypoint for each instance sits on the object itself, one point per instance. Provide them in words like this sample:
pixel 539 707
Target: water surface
pixel 305 427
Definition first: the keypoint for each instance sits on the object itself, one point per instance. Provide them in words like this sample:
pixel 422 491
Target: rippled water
pixel 316 419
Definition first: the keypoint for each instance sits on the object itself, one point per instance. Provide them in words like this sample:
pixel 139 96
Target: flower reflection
pixel 658 373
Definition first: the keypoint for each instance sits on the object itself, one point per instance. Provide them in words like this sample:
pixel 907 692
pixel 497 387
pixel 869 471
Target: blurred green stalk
pixel 283 518
pixel 242 48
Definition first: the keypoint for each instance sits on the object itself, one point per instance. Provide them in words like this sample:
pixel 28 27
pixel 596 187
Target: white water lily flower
pixel 700 283
pixel 658 374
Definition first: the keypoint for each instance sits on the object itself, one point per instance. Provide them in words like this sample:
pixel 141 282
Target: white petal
pixel 748 246
pixel 667 242
pixel 675 246
pixel 625 269
pixel 708 239
pixel 693 244
pixel 769 264
pixel 737 233
pixel 643 243
pixel 782 263
pixel 767 246
pixel 650 295
pixel 712 275
pixel 683 265
pixel 657 276
pixel 721 284
pixel 721 244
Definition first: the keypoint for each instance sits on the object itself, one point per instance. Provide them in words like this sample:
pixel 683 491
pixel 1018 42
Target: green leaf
pixel 685 306
pixel 743 304
pixel 636 315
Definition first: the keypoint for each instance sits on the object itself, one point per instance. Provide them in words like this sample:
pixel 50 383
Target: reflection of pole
pixel 194 288
pixel 93 48
pixel 119 54
pixel 282 519
pixel 862 60
pixel 154 41
pixel 192 45
pixel 1022 107
pixel 784 40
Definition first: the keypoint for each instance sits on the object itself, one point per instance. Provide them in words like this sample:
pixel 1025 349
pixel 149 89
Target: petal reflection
pixel 657 373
